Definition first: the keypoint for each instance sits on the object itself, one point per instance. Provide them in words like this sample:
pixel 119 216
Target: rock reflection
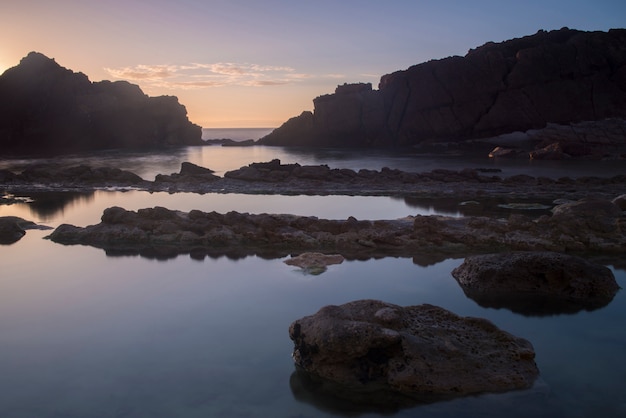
pixel 48 204
pixel 490 207
pixel 534 305
pixel 333 398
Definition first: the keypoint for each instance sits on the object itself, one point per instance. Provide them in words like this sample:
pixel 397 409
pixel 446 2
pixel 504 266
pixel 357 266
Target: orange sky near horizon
pixel 243 63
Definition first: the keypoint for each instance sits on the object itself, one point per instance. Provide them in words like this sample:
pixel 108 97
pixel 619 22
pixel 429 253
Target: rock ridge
pixel 561 77
pixel 46 108
pixel 586 226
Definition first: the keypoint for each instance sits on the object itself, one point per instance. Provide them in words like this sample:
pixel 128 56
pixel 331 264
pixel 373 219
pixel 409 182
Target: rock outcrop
pixel 314 263
pixel 13 228
pixel 424 352
pixel 45 108
pixel 536 283
pixel 466 191
pixel 571 229
pixel 559 77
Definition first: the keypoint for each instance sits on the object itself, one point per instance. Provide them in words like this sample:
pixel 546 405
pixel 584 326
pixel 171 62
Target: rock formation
pixel 314 263
pixel 45 108
pixel 559 77
pixel 468 191
pixel 585 226
pixel 536 283
pixel 13 228
pixel 424 351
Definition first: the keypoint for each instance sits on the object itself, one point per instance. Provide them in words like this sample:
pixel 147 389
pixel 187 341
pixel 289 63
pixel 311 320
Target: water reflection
pixel 535 305
pixel 492 207
pixel 334 398
pixel 47 205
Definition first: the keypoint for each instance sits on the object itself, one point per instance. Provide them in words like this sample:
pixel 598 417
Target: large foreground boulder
pixel 536 282
pixel 424 352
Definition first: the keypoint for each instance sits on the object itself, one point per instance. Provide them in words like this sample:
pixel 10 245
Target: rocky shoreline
pixel 273 177
pixel 587 217
pixel 585 226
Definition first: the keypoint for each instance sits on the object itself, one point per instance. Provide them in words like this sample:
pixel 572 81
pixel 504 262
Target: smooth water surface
pixel 83 334
pixel 86 335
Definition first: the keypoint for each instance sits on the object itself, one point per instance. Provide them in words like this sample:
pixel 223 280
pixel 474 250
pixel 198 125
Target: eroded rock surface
pixel 314 263
pixel 273 177
pixel 424 351
pixel 570 229
pixel 536 283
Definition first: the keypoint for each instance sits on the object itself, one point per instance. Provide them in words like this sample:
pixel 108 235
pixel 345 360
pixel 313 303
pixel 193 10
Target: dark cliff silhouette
pixel 45 108
pixel 563 76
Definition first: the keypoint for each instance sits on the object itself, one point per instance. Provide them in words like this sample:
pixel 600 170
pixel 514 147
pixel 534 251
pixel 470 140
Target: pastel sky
pixel 256 63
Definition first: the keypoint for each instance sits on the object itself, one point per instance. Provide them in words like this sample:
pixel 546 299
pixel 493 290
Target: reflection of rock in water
pixel 491 207
pixel 536 283
pixel 333 398
pixel 533 305
pixel 48 204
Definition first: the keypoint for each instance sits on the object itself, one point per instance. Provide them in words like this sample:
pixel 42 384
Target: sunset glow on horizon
pixel 257 64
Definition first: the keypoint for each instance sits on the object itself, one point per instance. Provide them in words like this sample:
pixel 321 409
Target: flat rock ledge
pixel 273 177
pixel 584 226
pixel 424 352
pixel 536 283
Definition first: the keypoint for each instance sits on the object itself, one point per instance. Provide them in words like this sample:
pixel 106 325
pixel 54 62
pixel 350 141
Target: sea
pixel 85 333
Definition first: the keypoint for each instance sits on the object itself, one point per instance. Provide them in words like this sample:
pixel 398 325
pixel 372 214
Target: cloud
pixel 143 72
pixel 203 75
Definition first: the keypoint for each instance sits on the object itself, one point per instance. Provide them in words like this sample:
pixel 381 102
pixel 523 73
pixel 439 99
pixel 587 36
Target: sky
pixel 257 63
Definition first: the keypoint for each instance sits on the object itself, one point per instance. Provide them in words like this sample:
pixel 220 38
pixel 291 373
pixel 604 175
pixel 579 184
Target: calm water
pixel 86 335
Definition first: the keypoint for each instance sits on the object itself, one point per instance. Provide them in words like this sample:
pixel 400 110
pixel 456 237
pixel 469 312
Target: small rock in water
pixel 314 263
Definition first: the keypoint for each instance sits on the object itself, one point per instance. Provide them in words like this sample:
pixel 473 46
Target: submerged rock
pixel 424 352
pixel 314 263
pixel 536 283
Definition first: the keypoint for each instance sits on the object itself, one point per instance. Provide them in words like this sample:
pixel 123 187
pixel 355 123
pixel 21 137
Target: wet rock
pixel 424 352
pixel 189 173
pixel 10 230
pixel 314 263
pixel 503 152
pixel 597 215
pixel 13 228
pixel 536 283
pixel 620 202
pixel 596 226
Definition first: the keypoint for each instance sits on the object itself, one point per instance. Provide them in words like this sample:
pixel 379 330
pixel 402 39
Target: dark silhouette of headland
pixel 45 108
pixel 560 80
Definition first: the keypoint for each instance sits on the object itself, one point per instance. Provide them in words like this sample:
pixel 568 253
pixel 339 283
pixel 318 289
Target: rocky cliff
pixel 560 77
pixel 47 108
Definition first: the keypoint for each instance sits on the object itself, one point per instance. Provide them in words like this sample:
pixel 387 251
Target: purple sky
pixel 257 63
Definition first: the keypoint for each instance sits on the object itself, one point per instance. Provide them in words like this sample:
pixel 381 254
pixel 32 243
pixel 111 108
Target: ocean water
pixel 236 134
pixel 86 334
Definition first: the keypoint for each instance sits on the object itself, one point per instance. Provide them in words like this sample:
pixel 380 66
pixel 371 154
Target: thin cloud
pixel 207 75
pixel 143 72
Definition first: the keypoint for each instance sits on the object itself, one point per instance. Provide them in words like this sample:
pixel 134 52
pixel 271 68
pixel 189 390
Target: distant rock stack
pixel 559 77
pixel 45 108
